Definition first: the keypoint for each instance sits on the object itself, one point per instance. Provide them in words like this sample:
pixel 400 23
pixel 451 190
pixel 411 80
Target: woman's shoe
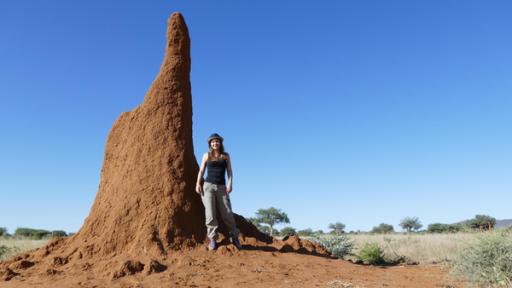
pixel 236 242
pixel 212 245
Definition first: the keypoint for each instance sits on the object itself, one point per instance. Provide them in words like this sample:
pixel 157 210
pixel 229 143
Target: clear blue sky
pixel 355 111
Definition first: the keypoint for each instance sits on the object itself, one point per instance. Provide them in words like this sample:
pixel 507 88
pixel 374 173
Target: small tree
pixel 3 231
pixel 383 228
pixel 288 231
pixel 483 222
pixel 337 227
pixel 271 217
pixel 410 223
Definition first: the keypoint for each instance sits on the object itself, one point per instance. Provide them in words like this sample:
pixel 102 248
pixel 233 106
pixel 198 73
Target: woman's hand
pixel 199 189
pixel 229 189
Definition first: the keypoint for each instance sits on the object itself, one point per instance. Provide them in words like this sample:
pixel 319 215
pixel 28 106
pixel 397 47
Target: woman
pixel 215 193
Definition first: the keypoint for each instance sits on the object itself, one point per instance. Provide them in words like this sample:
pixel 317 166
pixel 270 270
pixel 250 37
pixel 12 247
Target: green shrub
pixel 287 231
pixel 7 251
pixel 488 262
pixel 338 246
pixel 59 233
pixel 305 232
pixel 383 228
pixel 3 250
pixel 443 228
pixel 3 231
pixel 371 254
pixel 32 233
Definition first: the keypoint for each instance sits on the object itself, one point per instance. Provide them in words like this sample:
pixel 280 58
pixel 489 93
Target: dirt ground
pixel 227 267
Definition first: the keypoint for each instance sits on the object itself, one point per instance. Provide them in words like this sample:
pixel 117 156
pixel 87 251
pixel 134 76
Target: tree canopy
pixel 337 227
pixel 271 217
pixel 383 228
pixel 410 223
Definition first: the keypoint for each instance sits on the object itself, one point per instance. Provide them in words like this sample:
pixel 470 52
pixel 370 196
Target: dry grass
pixel 16 245
pixel 419 248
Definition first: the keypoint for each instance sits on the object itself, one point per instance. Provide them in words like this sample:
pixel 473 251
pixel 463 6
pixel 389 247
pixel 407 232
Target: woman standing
pixel 215 192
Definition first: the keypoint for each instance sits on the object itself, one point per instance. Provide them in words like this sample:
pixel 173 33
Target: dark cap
pixel 215 136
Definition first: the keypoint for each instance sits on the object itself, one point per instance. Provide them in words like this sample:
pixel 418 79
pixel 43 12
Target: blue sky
pixel 361 112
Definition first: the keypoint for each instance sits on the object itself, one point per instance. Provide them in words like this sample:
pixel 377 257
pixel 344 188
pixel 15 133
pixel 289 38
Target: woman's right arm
pixel 199 187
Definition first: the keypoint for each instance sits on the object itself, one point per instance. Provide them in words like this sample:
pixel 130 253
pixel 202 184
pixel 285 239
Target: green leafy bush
pixel 488 262
pixel 32 233
pixel 305 232
pixel 59 233
pixel 371 254
pixel 7 251
pixel 287 231
pixel 338 246
pixel 3 250
pixel 383 228
pixel 443 228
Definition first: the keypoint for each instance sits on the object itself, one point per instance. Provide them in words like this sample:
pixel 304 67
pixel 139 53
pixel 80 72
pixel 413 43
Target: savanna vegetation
pixel 472 248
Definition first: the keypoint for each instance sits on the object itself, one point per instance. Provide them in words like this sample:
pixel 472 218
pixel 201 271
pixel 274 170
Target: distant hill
pixel 503 223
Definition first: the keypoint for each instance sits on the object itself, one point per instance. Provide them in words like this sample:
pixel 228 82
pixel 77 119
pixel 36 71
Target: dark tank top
pixel 216 171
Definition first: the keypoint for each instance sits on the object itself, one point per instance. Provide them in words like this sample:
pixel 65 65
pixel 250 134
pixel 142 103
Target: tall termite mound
pixel 146 206
pixel 146 200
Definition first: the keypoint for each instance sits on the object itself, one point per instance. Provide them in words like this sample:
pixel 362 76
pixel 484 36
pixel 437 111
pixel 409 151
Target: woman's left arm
pixel 229 187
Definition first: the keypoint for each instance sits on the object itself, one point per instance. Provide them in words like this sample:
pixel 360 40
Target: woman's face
pixel 215 143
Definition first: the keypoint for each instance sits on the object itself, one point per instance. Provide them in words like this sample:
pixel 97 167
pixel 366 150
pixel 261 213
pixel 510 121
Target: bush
pixel 371 254
pixel 442 228
pixel 338 246
pixel 59 233
pixel 3 231
pixel 383 228
pixel 3 250
pixel 306 232
pixel 287 231
pixel 7 251
pixel 488 262
pixel 32 233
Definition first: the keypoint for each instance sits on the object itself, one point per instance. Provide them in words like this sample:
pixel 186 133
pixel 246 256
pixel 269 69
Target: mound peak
pixel 146 200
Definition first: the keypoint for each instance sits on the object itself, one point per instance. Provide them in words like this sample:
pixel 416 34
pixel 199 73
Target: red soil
pixel 226 267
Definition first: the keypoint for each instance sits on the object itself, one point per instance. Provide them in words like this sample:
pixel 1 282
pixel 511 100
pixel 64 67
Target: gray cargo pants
pixel 214 196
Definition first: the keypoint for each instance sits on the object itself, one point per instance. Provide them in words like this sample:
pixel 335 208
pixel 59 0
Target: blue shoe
pixel 236 242
pixel 212 245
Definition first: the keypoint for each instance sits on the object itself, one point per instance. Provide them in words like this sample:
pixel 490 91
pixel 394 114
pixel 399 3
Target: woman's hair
pixel 221 151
